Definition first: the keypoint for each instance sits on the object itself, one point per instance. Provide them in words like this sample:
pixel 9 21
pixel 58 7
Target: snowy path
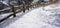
pixel 37 18
pixel 30 20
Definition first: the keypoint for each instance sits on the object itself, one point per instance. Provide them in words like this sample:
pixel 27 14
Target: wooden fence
pixel 22 7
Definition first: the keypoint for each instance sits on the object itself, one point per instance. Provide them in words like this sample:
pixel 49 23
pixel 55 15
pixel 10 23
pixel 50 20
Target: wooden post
pixel 28 7
pixel 23 8
pixel 14 11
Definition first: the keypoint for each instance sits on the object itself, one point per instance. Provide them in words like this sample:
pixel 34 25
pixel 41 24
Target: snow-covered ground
pixel 36 18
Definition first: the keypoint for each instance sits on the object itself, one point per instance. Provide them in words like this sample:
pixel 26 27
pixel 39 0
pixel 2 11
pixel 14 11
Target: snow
pixel 34 1
pixel 36 18
pixel 4 15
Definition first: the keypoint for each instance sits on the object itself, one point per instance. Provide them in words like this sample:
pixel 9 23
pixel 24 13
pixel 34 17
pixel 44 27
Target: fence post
pixel 28 6
pixel 23 8
pixel 14 11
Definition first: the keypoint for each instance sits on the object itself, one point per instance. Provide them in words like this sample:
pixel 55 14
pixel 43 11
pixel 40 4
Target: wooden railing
pixel 22 7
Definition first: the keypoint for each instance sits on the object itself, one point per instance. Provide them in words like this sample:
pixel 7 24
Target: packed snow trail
pixel 30 20
pixel 37 18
